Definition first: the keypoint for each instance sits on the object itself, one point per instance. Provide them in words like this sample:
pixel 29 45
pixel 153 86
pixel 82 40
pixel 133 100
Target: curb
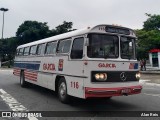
pixel 150 72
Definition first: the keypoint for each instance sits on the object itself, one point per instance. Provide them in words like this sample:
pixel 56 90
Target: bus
pixel 93 62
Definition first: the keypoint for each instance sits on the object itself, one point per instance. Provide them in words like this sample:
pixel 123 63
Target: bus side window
pixel 26 50
pixel 64 46
pixel 33 50
pixel 77 48
pixel 21 51
pixel 40 49
pixel 51 48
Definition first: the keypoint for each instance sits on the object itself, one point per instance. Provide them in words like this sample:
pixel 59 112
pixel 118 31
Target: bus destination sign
pixel 117 30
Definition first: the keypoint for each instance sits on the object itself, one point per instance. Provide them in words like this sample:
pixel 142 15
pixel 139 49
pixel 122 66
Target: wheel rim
pixel 62 90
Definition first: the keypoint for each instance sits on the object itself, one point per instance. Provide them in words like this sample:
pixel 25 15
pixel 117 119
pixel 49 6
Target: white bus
pixel 97 61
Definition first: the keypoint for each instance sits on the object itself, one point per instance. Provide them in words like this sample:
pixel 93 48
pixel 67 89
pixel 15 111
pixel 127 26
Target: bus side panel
pixel 75 86
pixel 72 71
pixel 49 67
pixel 46 77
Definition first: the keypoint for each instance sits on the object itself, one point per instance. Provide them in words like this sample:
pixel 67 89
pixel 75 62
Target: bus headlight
pixel 138 75
pixel 101 76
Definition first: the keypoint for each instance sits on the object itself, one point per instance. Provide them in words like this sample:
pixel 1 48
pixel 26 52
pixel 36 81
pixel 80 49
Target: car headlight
pixel 138 75
pixel 101 76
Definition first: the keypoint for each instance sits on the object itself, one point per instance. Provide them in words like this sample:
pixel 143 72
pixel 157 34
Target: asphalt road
pixel 35 98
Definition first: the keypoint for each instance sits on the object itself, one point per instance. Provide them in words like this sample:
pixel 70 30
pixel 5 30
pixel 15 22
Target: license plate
pixel 126 90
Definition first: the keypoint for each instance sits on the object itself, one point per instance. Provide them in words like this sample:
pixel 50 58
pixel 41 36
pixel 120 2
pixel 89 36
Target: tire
pixel 62 91
pixel 22 79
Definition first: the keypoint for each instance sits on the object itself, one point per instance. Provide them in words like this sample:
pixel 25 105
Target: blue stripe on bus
pixel 27 61
pixel 33 66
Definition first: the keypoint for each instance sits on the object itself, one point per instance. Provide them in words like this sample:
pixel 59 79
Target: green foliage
pixel 7 48
pixel 63 28
pixel 31 31
pixel 148 39
pixel 152 23
pixel 149 36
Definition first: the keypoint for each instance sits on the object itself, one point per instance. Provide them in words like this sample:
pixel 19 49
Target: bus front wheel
pixel 62 91
pixel 22 79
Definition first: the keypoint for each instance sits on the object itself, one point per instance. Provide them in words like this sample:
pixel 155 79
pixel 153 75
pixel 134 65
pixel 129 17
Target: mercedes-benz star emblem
pixel 123 76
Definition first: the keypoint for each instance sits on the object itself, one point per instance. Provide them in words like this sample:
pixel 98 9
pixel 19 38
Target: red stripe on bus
pixel 29 78
pixel 30 71
pixel 16 74
pixel 30 74
pixel 16 70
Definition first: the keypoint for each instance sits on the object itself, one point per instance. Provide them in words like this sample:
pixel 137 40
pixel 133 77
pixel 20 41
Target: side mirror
pixel 130 44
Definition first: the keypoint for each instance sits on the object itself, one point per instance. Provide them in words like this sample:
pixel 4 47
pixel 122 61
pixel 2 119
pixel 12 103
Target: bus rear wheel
pixel 62 91
pixel 22 79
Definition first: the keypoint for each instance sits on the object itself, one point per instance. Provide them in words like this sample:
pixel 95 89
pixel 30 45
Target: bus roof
pixel 97 29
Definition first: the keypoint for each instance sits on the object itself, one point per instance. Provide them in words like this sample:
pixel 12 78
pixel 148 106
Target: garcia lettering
pixel 106 65
pixel 48 66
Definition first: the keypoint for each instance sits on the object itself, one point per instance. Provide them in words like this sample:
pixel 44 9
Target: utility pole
pixel 3 10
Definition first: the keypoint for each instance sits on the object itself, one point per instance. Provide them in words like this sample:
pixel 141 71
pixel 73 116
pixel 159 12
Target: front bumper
pixel 109 92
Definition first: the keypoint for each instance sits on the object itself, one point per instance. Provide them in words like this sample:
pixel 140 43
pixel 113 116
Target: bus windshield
pixel 103 46
pixel 127 48
pixel 107 46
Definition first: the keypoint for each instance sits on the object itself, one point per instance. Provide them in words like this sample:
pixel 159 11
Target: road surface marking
pixel 13 103
pixel 155 95
pixel 145 82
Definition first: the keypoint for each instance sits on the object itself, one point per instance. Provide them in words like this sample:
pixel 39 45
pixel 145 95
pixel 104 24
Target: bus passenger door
pixel 75 68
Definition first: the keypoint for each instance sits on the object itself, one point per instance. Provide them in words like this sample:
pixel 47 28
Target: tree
pixel 147 40
pixel 8 48
pixel 152 23
pixel 149 36
pixel 31 31
pixel 63 28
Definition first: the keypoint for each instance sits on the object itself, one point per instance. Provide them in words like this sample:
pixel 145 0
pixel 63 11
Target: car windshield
pixel 127 48
pixel 103 46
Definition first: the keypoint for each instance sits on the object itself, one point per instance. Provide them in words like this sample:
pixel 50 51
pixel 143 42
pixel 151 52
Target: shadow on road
pixel 96 104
